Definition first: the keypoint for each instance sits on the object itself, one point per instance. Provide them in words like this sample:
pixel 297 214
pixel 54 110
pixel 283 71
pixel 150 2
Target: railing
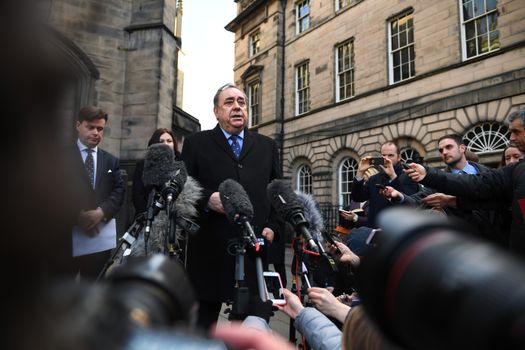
pixel 330 214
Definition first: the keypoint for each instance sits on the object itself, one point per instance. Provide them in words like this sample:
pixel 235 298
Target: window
pixel 487 137
pixel 302 16
pixel 410 155
pixel 339 4
pixel 253 103
pixel 304 179
pixel 401 48
pixel 255 43
pixel 347 172
pixel 344 67
pixel 479 19
pixel 302 89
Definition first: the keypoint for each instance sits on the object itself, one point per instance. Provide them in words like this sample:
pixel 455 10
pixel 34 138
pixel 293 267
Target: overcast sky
pixel 208 55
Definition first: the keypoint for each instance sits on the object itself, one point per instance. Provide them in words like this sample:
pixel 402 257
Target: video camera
pixel 145 303
pixel 429 285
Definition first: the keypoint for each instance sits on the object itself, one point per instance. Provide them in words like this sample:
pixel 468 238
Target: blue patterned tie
pixel 90 166
pixel 236 148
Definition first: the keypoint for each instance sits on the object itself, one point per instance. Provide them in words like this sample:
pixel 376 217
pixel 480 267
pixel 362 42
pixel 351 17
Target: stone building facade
pixel 124 54
pixel 331 80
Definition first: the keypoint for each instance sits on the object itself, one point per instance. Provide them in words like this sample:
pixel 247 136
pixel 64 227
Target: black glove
pixel 259 308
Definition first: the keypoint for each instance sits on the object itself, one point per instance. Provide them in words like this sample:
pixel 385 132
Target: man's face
pixel 517 134
pixel 451 152
pixel 90 132
pixel 231 111
pixel 390 152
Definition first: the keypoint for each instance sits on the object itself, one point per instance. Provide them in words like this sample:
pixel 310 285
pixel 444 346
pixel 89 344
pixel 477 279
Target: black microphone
pixel 173 187
pixel 159 166
pixel 288 206
pixel 238 208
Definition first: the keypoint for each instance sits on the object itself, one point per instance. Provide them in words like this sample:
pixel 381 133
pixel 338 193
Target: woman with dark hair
pixel 511 154
pixel 140 192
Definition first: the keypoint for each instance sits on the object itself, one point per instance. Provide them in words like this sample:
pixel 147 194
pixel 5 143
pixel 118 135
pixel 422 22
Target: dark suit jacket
pixel 362 191
pixel 109 188
pixel 210 160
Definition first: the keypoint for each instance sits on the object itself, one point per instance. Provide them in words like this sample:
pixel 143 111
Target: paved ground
pixel 280 322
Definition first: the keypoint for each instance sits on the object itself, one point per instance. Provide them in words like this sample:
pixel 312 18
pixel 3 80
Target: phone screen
pixel 274 287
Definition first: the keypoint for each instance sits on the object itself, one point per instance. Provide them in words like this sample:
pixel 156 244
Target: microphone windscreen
pixel 283 198
pixel 235 200
pixel 159 165
pixel 312 214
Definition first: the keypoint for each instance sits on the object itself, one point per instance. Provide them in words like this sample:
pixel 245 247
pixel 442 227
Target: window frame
pixel 411 61
pixel 463 30
pixel 340 193
pixel 252 105
pixel 302 93
pixel 351 70
pixel 254 50
pixel 302 171
pixel 305 19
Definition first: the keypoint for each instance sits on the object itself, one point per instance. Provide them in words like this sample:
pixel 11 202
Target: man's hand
pixel 346 256
pixel 89 219
pixel 268 234
pixel 293 304
pixel 390 193
pixel 242 338
pixel 215 204
pixel 416 172
pixel 440 200
pixel 327 303
pixel 348 215
pixel 388 168
pixel 364 163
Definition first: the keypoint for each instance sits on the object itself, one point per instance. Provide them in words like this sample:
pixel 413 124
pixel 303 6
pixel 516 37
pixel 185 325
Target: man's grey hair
pixel 221 89
pixel 519 114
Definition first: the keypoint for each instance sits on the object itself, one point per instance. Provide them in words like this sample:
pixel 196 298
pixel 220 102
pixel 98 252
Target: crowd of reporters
pixel 423 281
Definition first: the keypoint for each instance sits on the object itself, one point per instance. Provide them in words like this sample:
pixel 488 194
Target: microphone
pixel 238 208
pixel 288 206
pixel 173 187
pixel 315 221
pixel 159 165
pixel 167 178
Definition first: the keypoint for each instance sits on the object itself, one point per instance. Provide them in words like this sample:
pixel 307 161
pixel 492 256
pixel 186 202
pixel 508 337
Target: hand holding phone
pixel 274 287
pixel 380 186
pixel 376 161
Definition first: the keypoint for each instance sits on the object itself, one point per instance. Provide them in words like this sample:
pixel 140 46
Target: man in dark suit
pixel 99 186
pixel 390 174
pixel 210 157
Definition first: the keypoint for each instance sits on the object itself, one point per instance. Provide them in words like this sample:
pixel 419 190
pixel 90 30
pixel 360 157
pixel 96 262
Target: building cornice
pixel 251 7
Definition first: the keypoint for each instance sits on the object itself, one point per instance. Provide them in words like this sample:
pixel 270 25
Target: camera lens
pixel 430 285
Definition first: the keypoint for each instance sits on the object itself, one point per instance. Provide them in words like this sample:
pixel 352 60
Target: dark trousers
pixel 89 266
pixel 208 313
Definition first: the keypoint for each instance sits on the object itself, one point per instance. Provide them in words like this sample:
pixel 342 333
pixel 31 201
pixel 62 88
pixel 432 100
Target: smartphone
pixel 377 161
pixel 274 287
pixel 328 237
pixel 381 187
pixel 405 165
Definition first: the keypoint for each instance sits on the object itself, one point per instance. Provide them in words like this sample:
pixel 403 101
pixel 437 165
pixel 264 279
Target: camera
pixel 145 303
pixel 428 284
pixel 376 161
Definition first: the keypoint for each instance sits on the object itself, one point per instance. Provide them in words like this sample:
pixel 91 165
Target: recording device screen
pixel 274 287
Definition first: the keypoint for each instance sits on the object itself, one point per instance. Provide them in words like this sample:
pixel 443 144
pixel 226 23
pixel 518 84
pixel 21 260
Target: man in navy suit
pixel 99 186
pixel 211 157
